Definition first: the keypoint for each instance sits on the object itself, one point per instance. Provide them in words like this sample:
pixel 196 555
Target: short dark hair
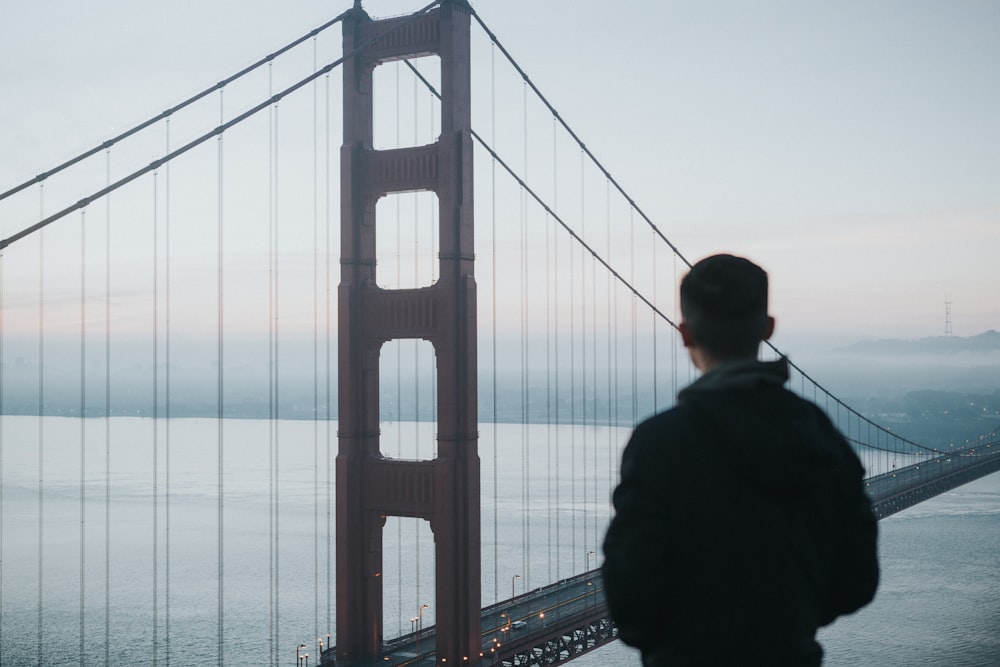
pixel 724 305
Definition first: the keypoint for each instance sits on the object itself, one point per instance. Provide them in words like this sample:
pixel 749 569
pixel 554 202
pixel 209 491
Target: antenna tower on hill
pixel 947 315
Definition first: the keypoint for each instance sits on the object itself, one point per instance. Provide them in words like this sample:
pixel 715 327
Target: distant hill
pixel 984 343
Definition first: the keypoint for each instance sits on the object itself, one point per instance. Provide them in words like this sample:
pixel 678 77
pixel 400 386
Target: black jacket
pixel 741 526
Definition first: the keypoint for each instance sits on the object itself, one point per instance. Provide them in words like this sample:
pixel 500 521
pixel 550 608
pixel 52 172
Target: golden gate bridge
pixel 168 341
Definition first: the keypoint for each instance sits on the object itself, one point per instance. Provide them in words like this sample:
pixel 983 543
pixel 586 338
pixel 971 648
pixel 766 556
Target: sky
pixel 851 148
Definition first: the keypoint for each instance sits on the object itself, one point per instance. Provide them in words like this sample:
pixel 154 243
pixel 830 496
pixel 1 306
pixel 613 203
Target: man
pixel 741 522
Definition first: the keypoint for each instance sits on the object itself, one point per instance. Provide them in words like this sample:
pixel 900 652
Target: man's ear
pixel 686 335
pixel 768 328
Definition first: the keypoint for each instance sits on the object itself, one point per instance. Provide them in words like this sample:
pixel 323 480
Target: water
pixel 937 604
pixel 540 523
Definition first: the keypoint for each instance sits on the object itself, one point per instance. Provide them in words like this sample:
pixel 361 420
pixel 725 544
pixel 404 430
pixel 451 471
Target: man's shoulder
pixel 680 416
pixel 675 425
pixel 660 442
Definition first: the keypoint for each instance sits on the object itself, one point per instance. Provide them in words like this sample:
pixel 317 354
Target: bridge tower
pixel 370 487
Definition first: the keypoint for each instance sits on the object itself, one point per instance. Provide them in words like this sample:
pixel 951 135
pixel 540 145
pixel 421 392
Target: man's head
pixel 724 310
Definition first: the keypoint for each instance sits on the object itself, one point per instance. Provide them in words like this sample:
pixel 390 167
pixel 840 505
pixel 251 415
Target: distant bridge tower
pixel 370 487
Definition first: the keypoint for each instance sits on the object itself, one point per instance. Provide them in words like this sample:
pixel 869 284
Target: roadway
pixel 519 620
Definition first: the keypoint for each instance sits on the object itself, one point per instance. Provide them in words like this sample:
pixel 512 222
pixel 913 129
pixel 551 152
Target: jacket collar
pixel 740 374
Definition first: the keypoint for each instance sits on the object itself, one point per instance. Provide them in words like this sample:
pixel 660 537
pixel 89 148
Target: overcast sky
pixel 852 148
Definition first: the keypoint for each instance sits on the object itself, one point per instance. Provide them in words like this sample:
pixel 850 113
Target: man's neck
pixel 705 362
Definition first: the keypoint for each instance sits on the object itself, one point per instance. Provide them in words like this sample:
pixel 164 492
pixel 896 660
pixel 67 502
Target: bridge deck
pixel 545 626
pixel 894 491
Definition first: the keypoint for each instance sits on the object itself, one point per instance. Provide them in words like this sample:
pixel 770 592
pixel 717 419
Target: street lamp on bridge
pixel 512 580
pixel 420 616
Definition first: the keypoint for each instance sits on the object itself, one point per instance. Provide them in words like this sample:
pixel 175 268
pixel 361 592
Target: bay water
pixel 110 543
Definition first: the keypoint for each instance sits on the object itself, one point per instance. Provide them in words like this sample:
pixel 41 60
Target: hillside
pixel 985 343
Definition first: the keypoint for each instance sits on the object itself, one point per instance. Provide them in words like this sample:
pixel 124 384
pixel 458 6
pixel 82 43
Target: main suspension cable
pixel 169 112
pixel 548 209
pixel 851 410
pixel 218 131
pixel 569 130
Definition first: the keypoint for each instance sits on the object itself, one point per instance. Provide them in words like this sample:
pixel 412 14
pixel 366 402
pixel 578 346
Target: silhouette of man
pixel 741 521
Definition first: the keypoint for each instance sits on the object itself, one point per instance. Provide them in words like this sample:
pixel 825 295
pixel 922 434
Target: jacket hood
pixel 772 438
pixel 740 374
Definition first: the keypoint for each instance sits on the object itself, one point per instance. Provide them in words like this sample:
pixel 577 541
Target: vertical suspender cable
pixel 3 323
pixel 83 435
pixel 673 332
pixel 166 401
pixel 548 366
pixel 525 523
pixel 220 397
pixel 635 324
pixel 593 398
pixel 329 552
pixel 41 418
pixel 572 402
pixel 548 394
pixel 156 414
pixel 274 385
pixel 434 124
pixel 271 409
pixel 656 367
pixel 583 355
pixel 417 523
pixel 617 350
pixel 557 346
pixel 107 421
pixel 399 384
pixel 276 379
pixel 315 360
pixel 612 317
pixel 493 319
